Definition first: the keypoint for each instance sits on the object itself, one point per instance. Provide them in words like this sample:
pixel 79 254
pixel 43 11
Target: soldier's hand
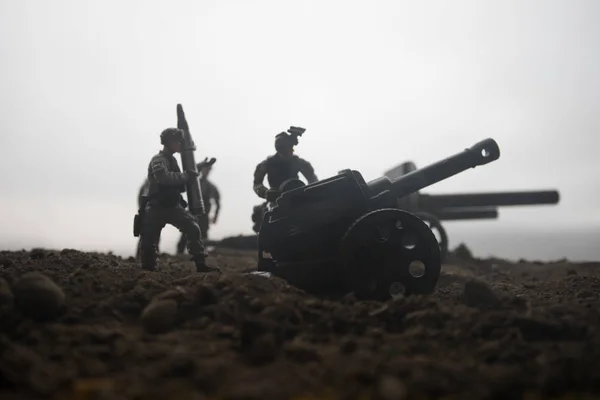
pixel 272 194
pixel 261 192
pixel 214 219
pixel 191 175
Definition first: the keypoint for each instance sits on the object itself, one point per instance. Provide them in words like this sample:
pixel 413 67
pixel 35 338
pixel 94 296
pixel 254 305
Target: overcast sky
pixel 87 87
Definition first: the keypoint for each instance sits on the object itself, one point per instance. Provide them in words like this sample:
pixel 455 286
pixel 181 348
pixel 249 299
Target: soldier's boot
pixel 149 262
pixel 201 266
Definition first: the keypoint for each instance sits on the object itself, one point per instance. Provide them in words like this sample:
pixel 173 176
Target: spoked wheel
pixel 389 252
pixel 438 230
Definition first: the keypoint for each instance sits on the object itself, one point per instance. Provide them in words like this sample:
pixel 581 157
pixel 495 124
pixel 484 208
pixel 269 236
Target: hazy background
pixel 87 86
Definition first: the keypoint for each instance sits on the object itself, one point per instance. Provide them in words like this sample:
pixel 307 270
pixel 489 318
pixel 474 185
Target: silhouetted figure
pixel 210 193
pixel 163 204
pixel 279 168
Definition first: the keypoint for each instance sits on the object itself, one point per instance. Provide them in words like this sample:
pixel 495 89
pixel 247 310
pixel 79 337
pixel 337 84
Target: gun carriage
pixel 345 234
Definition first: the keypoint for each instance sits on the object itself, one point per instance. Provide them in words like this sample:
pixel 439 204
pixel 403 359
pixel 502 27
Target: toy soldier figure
pixel 209 192
pixel 279 168
pixel 165 205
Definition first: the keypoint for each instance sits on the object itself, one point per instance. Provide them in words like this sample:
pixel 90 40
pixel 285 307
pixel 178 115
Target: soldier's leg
pixel 181 244
pixel 203 224
pixel 154 222
pixel 186 223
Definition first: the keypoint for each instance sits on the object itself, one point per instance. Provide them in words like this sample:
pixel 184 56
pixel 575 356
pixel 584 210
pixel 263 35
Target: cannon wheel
pixel 389 252
pixel 438 230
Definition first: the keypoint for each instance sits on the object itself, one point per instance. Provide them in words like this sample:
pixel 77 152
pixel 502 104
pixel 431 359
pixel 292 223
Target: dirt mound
pixel 491 331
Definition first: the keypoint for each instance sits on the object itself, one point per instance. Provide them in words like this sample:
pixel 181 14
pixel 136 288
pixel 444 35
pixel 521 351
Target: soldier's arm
pixel 217 198
pixel 259 176
pixel 307 170
pixel 160 172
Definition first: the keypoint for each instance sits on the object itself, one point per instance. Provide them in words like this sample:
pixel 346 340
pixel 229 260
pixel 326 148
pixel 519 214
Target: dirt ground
pixel 102 328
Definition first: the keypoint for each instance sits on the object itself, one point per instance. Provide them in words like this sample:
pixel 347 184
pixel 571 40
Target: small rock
pixel 159 316
pixel 37 254
pixel 376 332
pixel 391 388
pixel 379 310
pixel 176 294
pixel 432 319
pixel 463 252
pixel 478 293
pixel 348 346
pixel 6 295
pixel 259 341
pixel 301 353
pixel 584 294
pixel 256 305
pixel 205 295
pixel 227 331
pixel 312 302
pixel 571 271
pixel 38 297
pixel 264 350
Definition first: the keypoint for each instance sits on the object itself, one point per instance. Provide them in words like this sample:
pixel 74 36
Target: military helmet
pixel 170 134
pixel 283 140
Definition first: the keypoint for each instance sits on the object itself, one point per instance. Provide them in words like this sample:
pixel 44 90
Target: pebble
pixel 478 293
pixel 391 388
pixel 159 316
pixel 36 296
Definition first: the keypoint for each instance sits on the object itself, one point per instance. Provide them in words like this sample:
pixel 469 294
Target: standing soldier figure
pixel 165 205
pixel 279 168
pixel 209 192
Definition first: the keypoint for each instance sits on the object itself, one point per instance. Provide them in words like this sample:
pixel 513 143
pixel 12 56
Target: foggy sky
pixel 87 87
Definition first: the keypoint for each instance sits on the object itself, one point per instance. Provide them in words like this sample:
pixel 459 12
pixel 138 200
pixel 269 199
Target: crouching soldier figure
pixel 165 205
pixel 280 168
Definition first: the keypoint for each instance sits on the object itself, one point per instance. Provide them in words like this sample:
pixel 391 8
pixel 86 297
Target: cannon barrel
pixel 455 214
pixel 498 199
pixel 481 153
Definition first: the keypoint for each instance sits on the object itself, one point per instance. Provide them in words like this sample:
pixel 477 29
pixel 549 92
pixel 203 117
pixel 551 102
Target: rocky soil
pixel 77 325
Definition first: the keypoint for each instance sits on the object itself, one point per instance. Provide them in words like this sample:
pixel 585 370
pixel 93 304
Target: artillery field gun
pixel 462 206
pixel 344 234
